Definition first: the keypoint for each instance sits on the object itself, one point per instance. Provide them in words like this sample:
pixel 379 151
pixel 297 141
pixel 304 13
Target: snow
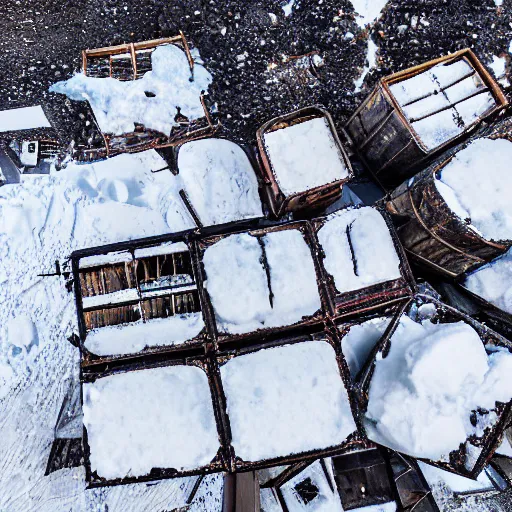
pixel 288 7
pixel 371 61
pixel 117 105
pixel 182 432
pixel 442 95
pixel 357 344
pixel 480 189
pixel 365 230
pixel 25 118
pixel 422 394
pixel 219 180
pixel 367 10
pixel 42 220
pixel 245 304
pixel 505 448
pixel 110 258
pixel 161 250
pixel 130 294
pixel 305 156
pixel 325 501
pixel 134 337
pixel 456 483
pixel 384 507
pixel 271 396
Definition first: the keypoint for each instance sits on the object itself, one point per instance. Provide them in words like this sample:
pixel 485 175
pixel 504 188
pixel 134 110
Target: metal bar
pixel 134 61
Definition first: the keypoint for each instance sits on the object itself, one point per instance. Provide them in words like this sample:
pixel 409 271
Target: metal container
pixel 314 198
pixel 385 139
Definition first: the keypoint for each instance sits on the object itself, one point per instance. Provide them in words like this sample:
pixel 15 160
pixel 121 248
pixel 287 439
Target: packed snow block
pixel 141 299
pixel 304 164
pixel 413 115
pixel 436 386
pixel 452 217
pixel 151 423
pixel 261 281
pixel 363 261
pixel 270 395
pixel 219 180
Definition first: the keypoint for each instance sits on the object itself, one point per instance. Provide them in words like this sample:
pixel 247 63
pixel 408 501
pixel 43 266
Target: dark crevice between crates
pixel 264 262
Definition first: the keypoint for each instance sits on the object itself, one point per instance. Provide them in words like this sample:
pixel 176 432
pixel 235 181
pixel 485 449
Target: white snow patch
pixel 498 66
pixel 360 341
pixel 110 258
pixel 371 61
pixel 25 118
pixel 305 156
pixel 505 448
pixel 493 282
pixel 288 7
pixel 443 86
pixel 479 189
pixel 364 232
pixel 131 338
pixel 165 416
pixel 367 10
pixel 161 250
pixel 422 394
pixel 238 286
pixel 220 181
pixel 275 395
pixel 130 294
pixel 117 105
pixel 455 483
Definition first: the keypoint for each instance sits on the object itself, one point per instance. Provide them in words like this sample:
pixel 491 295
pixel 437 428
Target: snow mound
pixel 117 105
pixel 182 432
pixel 305 156
pixel 422 394
pixel 219 180
pixel 276 395
pixel 493 282
pixel 134 337
pixel 479 192
pixel 359 250
pixel 238 285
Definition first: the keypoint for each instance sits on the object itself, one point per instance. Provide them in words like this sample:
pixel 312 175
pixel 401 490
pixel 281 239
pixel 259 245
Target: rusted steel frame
pixel 187 51
pixel 206 112
pixel 125 48
pixel 134 60
pixel 391 160
pixel 437 237
pixel 286 475
pixel 376 129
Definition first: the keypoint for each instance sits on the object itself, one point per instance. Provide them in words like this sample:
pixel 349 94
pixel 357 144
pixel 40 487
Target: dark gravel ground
pixel 41 41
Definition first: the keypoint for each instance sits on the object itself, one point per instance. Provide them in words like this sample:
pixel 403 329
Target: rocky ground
pixel 41 43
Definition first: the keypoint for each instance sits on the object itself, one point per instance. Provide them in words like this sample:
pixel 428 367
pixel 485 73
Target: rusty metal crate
pixel 143 304
pixel 105 62
pixel 221 461
pixel 431 233
pixel 310 199
pixel 354 442
pixel 312 321
pixel 365 301
pixel 129 62
pixel 386 141
pixel 492 436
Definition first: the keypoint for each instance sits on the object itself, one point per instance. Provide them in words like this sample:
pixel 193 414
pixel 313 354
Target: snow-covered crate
pixel 153 421
pixel 452 217
pixel 261 282
pixel 219 181
pixel 415 114
pixel 304 164
pixel 363 261
pixel 275 393
pixel 132 61
pixel 142 297
pixel 435 385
